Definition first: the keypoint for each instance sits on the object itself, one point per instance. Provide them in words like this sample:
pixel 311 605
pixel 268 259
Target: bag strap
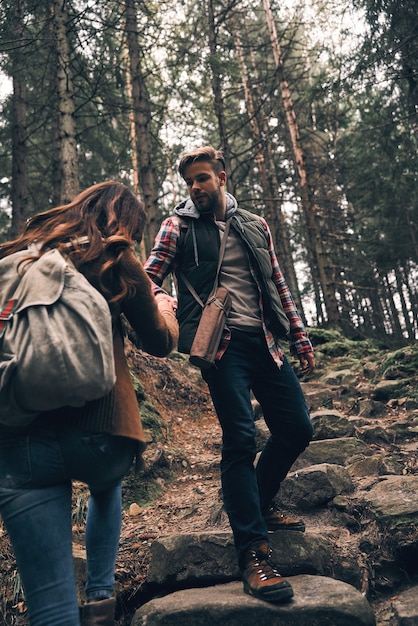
pixel 220 259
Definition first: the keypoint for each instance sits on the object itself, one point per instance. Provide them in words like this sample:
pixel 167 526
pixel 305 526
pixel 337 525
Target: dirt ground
pixel 177 492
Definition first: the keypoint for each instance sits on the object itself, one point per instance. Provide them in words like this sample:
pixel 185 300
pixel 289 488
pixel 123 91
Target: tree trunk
pixel 321 266
pixel 376 310
pixel 393 312
pixel 142 123
pixel 218 99
pixel 134 154
pixel 269 182
pixel 68 162
pixel 400 281
pixel 19 135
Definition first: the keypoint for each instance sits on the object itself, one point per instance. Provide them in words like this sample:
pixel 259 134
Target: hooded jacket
pixel 198 251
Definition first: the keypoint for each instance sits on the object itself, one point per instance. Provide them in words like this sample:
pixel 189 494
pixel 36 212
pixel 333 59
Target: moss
pixel 178 356
pixel 138 387
pixel 333 343
pixel 319 336
pixel 152 420
pixel 401 363
pixel 346 347
pixel 141 491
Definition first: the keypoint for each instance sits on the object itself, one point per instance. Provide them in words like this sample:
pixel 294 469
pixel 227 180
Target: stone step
pixel 318 601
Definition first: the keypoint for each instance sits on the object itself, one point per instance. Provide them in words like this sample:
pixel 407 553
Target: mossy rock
pixel 333 343
pixel 402 363
pixel 142 492
pixel 319 336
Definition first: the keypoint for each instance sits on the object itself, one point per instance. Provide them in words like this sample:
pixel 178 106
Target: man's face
pixel 205 187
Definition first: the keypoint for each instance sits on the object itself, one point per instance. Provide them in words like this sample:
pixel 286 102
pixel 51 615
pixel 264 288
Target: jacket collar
pixel 187 208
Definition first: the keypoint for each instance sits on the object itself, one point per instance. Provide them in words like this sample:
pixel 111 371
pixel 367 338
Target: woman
pixel 95 444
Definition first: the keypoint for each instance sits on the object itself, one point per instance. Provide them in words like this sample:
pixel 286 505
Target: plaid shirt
pixel 163 260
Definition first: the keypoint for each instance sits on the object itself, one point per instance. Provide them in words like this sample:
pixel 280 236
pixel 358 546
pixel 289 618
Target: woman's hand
pixel 166 303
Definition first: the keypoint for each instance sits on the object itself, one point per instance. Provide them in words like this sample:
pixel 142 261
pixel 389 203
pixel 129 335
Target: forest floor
pixel 178 492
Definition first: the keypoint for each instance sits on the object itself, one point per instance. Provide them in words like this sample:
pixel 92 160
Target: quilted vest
pixel 201 271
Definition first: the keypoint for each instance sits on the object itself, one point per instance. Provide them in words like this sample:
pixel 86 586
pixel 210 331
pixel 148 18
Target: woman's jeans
pixel 247 491
pixel 36 470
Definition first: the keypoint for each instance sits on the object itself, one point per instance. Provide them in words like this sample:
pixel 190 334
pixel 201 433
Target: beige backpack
pixel 56 344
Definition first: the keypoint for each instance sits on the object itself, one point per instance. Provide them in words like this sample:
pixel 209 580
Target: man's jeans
pixel 36 505
pixel 248 366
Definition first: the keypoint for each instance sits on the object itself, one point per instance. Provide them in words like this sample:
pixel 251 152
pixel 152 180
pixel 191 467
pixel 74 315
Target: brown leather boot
pixel 100 613
pixel 260 575
pixel 276 520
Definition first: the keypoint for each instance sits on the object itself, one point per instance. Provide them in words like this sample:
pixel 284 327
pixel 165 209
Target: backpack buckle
pixel 7 314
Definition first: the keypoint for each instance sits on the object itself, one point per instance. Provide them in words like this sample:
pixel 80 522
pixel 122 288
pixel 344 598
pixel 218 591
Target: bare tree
pixel 321 266
pixel 266 166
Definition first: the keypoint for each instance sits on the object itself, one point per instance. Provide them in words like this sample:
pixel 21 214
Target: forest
pixel 314 104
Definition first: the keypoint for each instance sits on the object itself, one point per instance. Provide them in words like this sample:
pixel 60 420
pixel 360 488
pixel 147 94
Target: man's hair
pixel 208 154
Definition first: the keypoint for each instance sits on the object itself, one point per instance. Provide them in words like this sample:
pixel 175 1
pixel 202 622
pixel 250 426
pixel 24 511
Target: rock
pixel 195 558
pixel 393 501
pixel 386 389
pixel 340 377
pixel 342 451
pixel 370 408
pixel 315 486
pixel 134 510
pixel 319 395
pixel 330 424
pixel 317 601
pixel 209 558
pixel 262 433
pixel 302 553
pixel 257 410
pixel 405 607
pixel 374 466
pixel 375 434
pixel 80 561
pixel 405 429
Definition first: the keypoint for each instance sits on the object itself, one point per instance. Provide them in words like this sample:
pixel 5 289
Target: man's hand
pixel 307 362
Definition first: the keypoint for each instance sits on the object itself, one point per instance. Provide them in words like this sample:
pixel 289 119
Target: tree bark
pixel 142 123
pixel 269 182
pixel 68 161
pixel 20 192
pixel 218 98
pixel 400 281
pixel 321 267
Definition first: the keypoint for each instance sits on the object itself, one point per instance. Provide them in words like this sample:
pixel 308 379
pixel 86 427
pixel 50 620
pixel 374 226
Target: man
pixel 249 359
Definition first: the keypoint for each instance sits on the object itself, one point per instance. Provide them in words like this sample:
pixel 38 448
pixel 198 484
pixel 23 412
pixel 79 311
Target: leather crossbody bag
pixel 214 315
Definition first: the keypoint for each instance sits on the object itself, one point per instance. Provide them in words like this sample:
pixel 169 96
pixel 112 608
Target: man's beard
pixel 210 202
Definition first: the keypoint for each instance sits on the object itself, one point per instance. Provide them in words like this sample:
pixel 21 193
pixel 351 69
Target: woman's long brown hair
pixel 108 213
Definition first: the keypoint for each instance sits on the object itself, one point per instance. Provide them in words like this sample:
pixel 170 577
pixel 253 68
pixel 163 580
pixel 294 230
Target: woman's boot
pixel 100 613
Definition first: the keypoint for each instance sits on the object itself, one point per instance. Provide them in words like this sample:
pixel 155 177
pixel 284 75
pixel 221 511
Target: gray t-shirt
pixel 237 277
